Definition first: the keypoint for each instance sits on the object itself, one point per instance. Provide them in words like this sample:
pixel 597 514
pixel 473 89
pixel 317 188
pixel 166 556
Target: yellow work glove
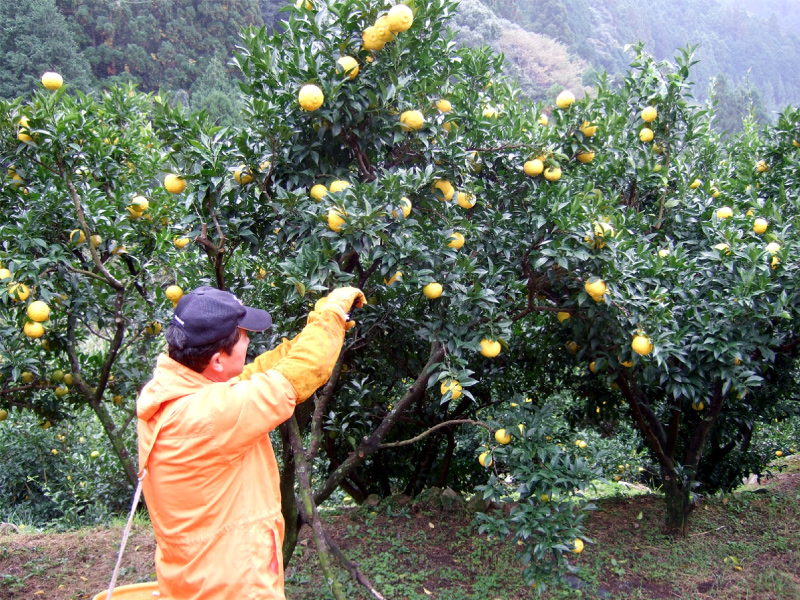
pixel 341 301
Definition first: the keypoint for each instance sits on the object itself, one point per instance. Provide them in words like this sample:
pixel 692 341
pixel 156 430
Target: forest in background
pixel 748 51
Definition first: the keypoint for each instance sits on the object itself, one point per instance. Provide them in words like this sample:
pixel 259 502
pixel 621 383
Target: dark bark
pixel 291 516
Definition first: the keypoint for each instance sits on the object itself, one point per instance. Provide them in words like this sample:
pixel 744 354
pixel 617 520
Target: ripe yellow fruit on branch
pixel 181 242
pixel 383 30
pixel 405 206
pixel 456 240
pixel 318 192
pixel 695 184
pixel 412 120
pixel 335 219
pixel 444 106
pixel 18 292
pixel 308 5
pixel 761 166
pixel 664 252
pixel 563 316
pixel 646 135
pixel 649 114
pixel 310 97
pixel 433 290
pixel 760 225
pixel 348 66
pixel 485 459
pixel 578 543
pixel 773 247
pixel 52 81
pixel 587 129
pixel 153 328
pixel 565 99
pixel 23 136
pixel 490 112
pixel 533 167
pixel 585 157
pixel 371 39
pixel 33 329
pixel 552 174
pixel 572 347
pixel 502 436
pixel 596 289
pixel 490 348
pixel 400 18
pixel 450 385
pixel 174 293
pixel 593 366
pixel 139 204
pixel 726 212
pixel 445 188
pixel 339 185
pixel 76 236
pixel 174 184
pixel 465 200
pixel 5 274
pixel 641 345
pixel 543 120
pixel 38 311
pixel 723 248
pixel 96 240
pixel 242 175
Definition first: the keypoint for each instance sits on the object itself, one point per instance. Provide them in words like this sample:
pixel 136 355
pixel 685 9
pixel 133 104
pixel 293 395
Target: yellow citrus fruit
pixel 485 459
pixel 118 400
pixel 318 192
pixel 664 252
pixel 174 184
pixel 726 212
pixel 490 112
pixel 174 293
pixel 134 214
pixel 572 347
pixel 371 39
pixel 181 242
pixel 444 105
pixel 38 311
pixel 533 167
pixel 339 185
pixel 587 129
pixel 646 135
pixel 760 225
pixel 562 316
pixel 649 114
pixel 585 157
pixel 5 274
pixel 412 120
pixel 76 236
pixel 262 273
pixel 761 166
pixel 502 436
pixel 456 240
pixel 398 276
pixel 592 366
pixel 22 136
pixel 140 204
pixel 18 292
pixel 698 405
pixel 242 175
pixel 96 240
pixel 449 126
pixel 68 379
pixel 400 18
pixel 543 120
pixel 33 329
pixel 552 174
pixel 3 414
pixel 565 99
pixel 52 81
pixel 348 65
pixel 778 453
pixel 450 385
pixel 153 328
pixel 723 248
pixel 695 184
pixel 26 376
pixel 383 30
pixel 445 188
pixel 773 247
pixel 432 290
pixel 714 192
pixel 310 97
pixel 596 289
pixel 335 219
pixel 578 543
pixel 307 4
pixel 490 348
pixel 641 345
pixel 405 206
pixel 465 200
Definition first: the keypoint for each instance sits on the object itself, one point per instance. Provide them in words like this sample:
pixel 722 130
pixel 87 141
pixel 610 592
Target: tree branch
pixel 425 434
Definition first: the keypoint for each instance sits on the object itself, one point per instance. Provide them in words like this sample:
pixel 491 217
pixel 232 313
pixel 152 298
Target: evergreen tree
pixel 217 94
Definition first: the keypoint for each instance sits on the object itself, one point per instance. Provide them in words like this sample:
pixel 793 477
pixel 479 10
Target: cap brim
pixel 255 319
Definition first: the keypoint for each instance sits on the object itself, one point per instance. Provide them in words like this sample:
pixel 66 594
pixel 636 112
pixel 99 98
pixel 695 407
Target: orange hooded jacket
pixel 212 481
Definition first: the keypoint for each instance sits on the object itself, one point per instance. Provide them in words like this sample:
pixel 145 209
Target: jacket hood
pixel 171 380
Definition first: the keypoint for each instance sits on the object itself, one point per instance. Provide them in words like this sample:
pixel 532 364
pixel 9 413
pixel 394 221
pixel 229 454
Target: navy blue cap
pixel 208 315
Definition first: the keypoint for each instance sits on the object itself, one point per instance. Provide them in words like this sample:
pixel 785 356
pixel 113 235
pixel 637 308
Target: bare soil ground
pixel 433 554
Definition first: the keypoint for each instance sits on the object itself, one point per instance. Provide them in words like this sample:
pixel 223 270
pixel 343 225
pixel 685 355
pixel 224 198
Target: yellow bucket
pixel 136 591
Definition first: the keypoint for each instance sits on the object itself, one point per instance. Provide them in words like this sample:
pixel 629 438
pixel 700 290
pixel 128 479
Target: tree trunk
pixel 113 434
pixel 676 498
pixel 289 510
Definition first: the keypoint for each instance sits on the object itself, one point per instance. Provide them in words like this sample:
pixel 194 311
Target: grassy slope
pixel 427 554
